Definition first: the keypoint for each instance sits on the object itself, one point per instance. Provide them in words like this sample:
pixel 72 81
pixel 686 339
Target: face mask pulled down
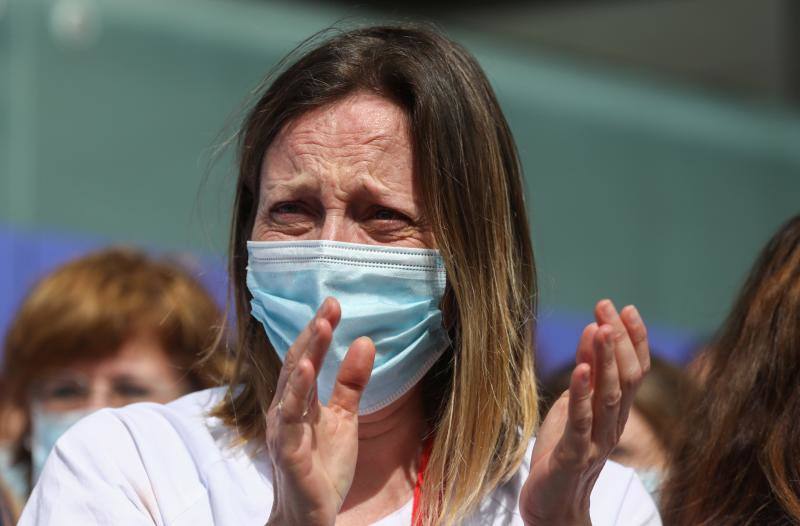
pixel 389 294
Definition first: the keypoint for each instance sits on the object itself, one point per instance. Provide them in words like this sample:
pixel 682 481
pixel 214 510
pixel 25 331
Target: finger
pixel 607 390
pixel 638 335
pixel 329 312
pixel 317 348
pixel 630 370
pixel 321 337
pixel 353 375
pixel 292 408
pixel 575 446
pixel 585 352
pixel 318 343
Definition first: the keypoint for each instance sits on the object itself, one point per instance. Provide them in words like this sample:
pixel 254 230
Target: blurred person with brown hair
pixel 106 330
pixel 649 433
pixel 737 460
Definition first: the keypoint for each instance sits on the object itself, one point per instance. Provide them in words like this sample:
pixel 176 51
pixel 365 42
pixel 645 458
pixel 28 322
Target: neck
pixel 389 447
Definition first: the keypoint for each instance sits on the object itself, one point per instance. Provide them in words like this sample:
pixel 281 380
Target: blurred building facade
pixel 650 178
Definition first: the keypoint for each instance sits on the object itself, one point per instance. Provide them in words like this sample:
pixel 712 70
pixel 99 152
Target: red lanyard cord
pixel 427 446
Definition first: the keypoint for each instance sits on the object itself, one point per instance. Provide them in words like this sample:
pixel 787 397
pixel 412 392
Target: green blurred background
pixel 660 142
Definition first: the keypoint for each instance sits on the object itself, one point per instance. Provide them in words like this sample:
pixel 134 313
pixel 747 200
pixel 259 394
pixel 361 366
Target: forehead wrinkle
pixel 361 119
pixel 378 160
pixel 313 152
pixel 345 146
pixel 336 139
pixel 277 156
pixel 281 172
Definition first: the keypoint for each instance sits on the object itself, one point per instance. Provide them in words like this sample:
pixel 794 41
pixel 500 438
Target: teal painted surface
pixel 645 195
pixel 651 197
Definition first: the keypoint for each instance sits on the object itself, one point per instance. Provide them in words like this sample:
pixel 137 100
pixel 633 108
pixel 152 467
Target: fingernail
pixel 328 301
pixel 608 308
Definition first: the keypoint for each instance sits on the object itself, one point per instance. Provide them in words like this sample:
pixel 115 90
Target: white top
pixel 172 465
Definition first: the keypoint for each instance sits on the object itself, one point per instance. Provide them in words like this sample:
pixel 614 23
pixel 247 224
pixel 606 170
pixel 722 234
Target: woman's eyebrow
pixel 129 377
pixel 366 195
pixel 378 191
pixel 296 185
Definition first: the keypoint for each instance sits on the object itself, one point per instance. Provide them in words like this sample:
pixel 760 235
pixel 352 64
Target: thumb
pixel 576 442
pixel 353 375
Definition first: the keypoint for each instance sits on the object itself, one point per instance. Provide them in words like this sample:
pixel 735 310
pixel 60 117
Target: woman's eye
pixel 65 391
pixel 387 214
pixel 289 211
pixel 131 391
pixel 287 208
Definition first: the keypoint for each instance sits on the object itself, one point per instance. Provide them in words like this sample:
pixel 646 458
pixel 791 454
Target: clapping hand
pixel 314 447
pixel 585 424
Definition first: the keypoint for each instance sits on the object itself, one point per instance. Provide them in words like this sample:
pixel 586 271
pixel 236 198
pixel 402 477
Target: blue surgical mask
pixel 389 294
pixel 651 480
pixel 46 428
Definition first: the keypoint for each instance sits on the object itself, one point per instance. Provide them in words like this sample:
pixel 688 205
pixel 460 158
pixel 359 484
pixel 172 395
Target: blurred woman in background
pixel 106 330
pixel 738 456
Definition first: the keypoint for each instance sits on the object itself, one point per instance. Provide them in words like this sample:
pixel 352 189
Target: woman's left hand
pixel 585 424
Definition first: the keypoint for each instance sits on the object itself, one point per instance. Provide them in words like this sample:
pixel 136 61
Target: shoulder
pixel 190 412
pixel 618 498
pixel 149 432
pixel 621 498
pixel 144 460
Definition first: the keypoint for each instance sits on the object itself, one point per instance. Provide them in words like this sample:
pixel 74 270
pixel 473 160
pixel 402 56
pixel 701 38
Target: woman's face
pixel 638 446
pixel 140 371
pixel 343 173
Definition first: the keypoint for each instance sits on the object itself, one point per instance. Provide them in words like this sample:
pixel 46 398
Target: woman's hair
pixel 87 309
pixel 738 457
pixel 481 395
pixel 658 400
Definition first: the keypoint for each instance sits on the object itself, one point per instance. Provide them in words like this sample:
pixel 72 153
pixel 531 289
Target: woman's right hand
pixel 314 448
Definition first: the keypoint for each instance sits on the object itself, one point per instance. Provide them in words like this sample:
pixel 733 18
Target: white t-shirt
pixel 172 465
